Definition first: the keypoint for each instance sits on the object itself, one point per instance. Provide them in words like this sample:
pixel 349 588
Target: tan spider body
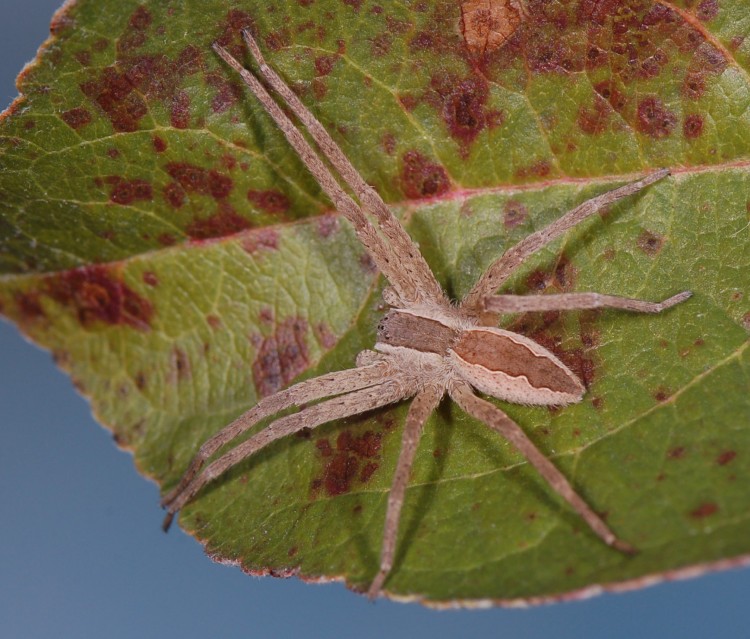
pixel 426 347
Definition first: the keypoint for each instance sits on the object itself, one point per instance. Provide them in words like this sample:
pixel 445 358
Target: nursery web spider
pixel 426 346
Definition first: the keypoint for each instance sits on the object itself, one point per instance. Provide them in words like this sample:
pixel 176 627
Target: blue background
pixel 82 553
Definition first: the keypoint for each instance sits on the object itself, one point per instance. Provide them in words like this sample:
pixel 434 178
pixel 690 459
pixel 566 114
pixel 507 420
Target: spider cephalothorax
pixel 427 347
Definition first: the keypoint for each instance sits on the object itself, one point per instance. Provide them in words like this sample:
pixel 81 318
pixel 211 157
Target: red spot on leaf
pixel 706 509
pixel 166 239
pixel 76 118
pixel 262 239
pixel 281 356
pixel 98 295
pixel 650 243
pixel 113 92
pixel 324 64
pixel 141 18
pixel 514 214
pixel 594 119
pixel 270 201
pixel 678 452
pixel 654 119
pixel 693 126
pixel 220 224
pixel 662 394
pixel 150 278
pixel 160 144
pixel 128 191
pixel 179 365
pixel 327 225
pixel 727 456
pixel 195 179
pixel 179 110
pixel 707 10
pixel 174 194
pixel 29 306
pixel 422 178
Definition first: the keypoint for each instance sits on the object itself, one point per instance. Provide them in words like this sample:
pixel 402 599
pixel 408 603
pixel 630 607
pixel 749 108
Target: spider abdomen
pixel 515 368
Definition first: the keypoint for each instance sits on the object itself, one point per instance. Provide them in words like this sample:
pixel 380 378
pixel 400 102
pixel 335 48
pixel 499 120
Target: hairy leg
pixel 385 258
pixel 501 269
pixel 343 406
pixel 421 408
pixel 415 274
pixel 310 390
pixel 577 301
pixel 482 410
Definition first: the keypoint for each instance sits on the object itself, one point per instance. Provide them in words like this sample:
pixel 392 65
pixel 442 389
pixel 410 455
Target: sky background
pixel 82 553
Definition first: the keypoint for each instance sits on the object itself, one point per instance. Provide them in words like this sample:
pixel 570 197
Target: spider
pixel 427 346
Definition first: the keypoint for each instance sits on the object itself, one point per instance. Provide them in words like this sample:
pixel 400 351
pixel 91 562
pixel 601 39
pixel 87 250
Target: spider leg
pixel 577 301
pixel 415 275
pixel 486 412
pixel 421 407
pixel 327 385
pixel 384 256
pixel 339 407
pixel 500 270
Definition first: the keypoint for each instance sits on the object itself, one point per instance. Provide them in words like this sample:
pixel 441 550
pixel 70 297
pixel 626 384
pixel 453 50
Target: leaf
pixel 161 239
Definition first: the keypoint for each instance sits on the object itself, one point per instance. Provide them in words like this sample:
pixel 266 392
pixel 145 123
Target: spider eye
pixel 515 368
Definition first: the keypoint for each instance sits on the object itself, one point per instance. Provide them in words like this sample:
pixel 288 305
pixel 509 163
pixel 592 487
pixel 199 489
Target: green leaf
pixel 158 235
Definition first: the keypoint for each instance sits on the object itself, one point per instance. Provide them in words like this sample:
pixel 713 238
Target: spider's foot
pixel 624 547
pixel 165 525
pixel 675 299
pixel 377 584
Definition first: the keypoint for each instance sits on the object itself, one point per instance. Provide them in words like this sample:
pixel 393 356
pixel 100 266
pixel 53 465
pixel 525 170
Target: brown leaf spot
pixel 179 365
pixel 324 64
pixel 150 278
pixel 678 452
pixel 650 243
pixel 727 456
pixel 220 224
pixel 693 86
pixel 128 191
pixel 141 18
pixel 421 178
pixel 707 10
pixel 281 356
pixel 662 394
pixel 97 294
pixel 539 169
pixel 270 201
pixel 706 509
pixel 594 120
pixel 325 336
pixel 463 103
pixel 76 118
pixel 324 447
pixel 617 100
pixel 746 321
pixel 195 179
pixel 693 126
pixel 354 4
pixel 486 25
pixel 29 306
pixel 262 239
pixel 654 119
pixel 166 239
pixel 278 40
pixel 327 225
pixel 597 402
pixel 113 92
pixel 174 194
pixel 227 93
pixel 179 110
pixel 160 144
pixel 381 45
pixel 514 214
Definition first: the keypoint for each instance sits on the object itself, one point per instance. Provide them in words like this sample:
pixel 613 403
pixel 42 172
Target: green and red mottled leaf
pixel 159 236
